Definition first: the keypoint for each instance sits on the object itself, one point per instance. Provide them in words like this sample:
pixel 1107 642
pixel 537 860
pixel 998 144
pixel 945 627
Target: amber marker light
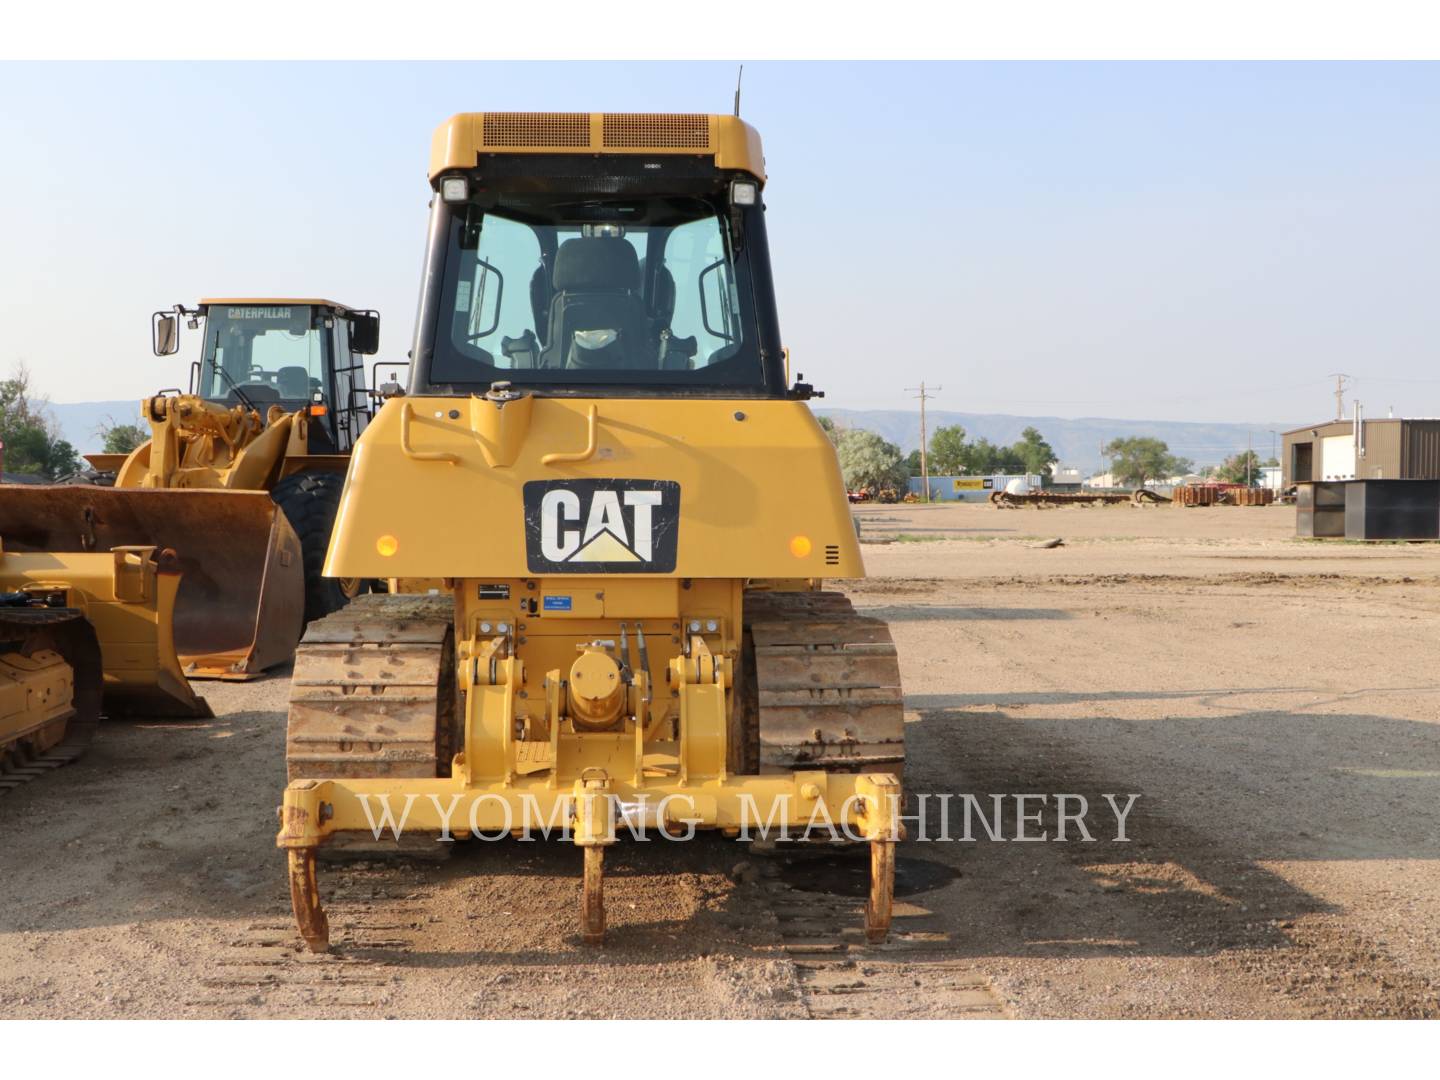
pixel 800 546
pixel 387 545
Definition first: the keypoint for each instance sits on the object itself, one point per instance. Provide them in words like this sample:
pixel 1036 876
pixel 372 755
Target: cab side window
pixel 706 305
pixel 492 299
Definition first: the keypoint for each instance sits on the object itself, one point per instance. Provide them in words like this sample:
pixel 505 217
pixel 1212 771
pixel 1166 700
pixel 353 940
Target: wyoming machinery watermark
pixel 945 817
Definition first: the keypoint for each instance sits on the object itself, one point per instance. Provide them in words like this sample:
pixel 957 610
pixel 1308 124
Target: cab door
pixel 351 405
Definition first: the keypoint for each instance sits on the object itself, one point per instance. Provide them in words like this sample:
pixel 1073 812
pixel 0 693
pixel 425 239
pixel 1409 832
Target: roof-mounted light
pixel 454 189
pixel 744 193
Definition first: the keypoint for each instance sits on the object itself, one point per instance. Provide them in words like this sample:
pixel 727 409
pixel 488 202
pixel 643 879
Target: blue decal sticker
pixel 557 603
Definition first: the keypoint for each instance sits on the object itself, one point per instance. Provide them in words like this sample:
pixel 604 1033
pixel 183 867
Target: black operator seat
pixel 597 319
pixel 293 383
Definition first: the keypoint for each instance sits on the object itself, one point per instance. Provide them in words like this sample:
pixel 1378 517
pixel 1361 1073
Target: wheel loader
pixel 241 478
pixel 602 457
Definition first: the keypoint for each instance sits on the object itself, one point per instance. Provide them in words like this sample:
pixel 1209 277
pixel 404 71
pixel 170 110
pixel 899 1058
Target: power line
pixel 1339 395
pixel 924 459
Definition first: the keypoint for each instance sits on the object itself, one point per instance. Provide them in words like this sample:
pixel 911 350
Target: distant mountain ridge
pixel 1077 442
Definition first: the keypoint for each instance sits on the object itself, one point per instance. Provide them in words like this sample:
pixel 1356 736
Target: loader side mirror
pixel 365 332
pixel 165 333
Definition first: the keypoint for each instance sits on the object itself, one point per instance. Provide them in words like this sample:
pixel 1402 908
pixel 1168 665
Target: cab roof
pixel 459 141
pixel 295 301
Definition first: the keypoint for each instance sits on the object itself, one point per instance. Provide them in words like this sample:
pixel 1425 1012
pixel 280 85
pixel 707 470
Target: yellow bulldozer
pixel 603 458
pixel 57 616
pixel 232 499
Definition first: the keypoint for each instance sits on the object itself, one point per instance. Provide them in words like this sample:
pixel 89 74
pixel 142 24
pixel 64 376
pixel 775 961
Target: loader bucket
pixel 241 601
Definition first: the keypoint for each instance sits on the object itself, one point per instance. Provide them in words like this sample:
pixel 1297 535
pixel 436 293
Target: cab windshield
pixel 641 291
pixel 264 354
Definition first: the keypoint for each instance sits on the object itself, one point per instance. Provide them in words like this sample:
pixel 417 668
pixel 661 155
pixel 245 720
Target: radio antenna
pixel 738 77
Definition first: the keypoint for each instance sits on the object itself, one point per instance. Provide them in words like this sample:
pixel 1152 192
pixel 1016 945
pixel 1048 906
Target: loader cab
pixel 618 276
pixel 297 354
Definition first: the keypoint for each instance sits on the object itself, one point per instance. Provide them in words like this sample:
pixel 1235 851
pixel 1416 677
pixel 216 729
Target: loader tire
pixel 310 501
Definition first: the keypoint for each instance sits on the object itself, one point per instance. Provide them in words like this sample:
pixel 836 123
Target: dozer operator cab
pixel 641 277
pixel 297 354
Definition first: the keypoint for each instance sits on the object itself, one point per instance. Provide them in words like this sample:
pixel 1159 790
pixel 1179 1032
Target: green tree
pixel 1034 453
pixel 1140 459
pixel 832 432
pixel 912 463
pixel 1008 460
pixel 123 438
pixel 1234 469
pixel 946 455
pixel 868 462
pixel 33 445
pixel 982 457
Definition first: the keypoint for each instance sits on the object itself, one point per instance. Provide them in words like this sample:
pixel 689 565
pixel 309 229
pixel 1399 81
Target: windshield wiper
pixel 233 385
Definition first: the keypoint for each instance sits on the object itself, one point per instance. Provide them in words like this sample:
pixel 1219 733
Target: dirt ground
pixel 1271 701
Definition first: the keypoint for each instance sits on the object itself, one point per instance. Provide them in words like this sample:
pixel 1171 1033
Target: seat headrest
pixel 596 262
pixel 294 382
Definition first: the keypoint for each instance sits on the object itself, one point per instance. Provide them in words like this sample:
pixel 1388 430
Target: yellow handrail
pixel 591 441
pixel 419 455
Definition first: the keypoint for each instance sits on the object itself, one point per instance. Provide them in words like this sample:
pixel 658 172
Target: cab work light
pixel 744 192
pixel 454 189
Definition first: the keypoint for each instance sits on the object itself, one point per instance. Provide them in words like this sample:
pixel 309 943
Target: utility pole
pixel 924 396
pixel 1339 395
pixel 1249 455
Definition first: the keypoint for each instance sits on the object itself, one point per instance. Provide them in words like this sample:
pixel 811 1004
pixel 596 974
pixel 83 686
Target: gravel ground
pixel 1269 700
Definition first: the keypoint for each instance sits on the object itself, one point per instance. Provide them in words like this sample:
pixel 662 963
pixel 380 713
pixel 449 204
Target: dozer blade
pixel 241 602
pixel 125 600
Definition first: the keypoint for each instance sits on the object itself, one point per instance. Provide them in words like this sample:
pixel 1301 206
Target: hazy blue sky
pixel 1182 241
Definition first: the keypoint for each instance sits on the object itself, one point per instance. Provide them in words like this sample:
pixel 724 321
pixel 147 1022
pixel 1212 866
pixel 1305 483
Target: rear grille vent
pixel 537 129
pixel 832 554
pixel 670 132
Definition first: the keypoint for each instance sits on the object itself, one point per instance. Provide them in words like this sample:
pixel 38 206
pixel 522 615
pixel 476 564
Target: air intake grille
pixel 832 554
pixel 537 129
pixel 669 132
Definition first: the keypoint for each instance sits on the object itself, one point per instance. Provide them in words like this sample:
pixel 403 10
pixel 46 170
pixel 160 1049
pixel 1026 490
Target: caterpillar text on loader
pixel 241 477
pixel 601 457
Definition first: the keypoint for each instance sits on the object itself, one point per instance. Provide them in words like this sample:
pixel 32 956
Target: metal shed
pixel 1390 448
